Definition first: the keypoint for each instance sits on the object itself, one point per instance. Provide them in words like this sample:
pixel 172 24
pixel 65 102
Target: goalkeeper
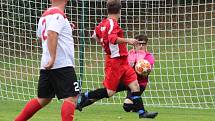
pixel 139 52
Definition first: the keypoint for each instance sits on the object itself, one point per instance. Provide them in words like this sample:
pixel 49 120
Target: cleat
pixel 148 115
pixel 81 99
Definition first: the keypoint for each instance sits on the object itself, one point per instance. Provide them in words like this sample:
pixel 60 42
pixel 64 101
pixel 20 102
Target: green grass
pixel 96 112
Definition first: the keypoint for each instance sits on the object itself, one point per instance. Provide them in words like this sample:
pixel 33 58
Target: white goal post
pixel 181 36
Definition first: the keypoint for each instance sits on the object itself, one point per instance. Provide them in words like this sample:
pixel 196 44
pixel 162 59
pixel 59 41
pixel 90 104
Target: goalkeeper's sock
pixel 67 111
pixel 29 110
pixel 138 103
pixel 97 94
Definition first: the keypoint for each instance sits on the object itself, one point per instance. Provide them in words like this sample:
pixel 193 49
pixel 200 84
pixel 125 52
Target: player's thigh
pixel 129 77
pixel 65 82
pixel 112 77
pixel 45 88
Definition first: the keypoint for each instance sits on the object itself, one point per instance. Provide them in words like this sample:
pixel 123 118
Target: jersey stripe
pixel 111 26
pixel 114 48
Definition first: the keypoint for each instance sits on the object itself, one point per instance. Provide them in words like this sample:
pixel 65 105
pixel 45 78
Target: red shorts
pixel 117 70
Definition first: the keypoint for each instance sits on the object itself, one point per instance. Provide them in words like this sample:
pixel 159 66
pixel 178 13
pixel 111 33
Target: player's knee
pixel 44 101
pixel 110 92
pixel 71 99
pixel 134 86
pixel 128 107
pixel 129 101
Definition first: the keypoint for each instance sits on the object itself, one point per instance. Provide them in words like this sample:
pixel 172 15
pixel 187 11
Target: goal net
pixel 181 36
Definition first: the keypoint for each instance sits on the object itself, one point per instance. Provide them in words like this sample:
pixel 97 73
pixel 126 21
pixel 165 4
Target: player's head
pixel 142 41
pixel 113 6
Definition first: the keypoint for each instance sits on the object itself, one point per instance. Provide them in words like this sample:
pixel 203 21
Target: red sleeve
pixel 113 33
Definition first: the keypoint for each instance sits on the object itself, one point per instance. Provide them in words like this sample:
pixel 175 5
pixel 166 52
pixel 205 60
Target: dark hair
pixel 142 39
pixel 113 6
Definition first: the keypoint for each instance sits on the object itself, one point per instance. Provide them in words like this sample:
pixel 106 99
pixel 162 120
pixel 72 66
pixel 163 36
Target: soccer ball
pixel 142 66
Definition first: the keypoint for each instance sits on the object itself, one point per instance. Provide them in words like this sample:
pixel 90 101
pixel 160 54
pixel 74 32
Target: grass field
pixel 8 110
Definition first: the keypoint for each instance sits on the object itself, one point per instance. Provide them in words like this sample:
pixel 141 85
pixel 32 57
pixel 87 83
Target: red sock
pixel 29 110
pixel 67 111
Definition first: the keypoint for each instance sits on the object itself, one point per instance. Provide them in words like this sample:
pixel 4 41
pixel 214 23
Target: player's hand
pixel 145 74
pixel 50 64
pixel 132 41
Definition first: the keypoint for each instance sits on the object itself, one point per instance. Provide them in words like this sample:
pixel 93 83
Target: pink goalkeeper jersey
pixel 133 56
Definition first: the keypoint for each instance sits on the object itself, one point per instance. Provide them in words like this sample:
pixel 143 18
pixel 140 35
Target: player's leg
pixel 128 103
pixel 66 87
pixel 138 103
pixel 88 102
pixel 45 94
pixel 68 108
pixel 88 98
pixel 31 108
pixel 111 82
pixel 130 79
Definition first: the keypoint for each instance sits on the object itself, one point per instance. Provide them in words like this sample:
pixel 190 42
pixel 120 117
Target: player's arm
pixel 130 41
pixel 94 36
pixel 115 39
pixel 52 46
pixel 53 29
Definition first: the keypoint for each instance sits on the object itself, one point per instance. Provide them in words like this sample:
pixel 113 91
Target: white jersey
pixel 55 20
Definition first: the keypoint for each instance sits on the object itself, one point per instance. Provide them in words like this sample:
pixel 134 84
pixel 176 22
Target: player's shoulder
pixel 104 22
pixel 149 53
pixel 103 25
pixel 55 12
pixel 109 22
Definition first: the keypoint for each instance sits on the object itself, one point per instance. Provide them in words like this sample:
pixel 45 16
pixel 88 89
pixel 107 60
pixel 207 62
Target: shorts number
pixel 76 86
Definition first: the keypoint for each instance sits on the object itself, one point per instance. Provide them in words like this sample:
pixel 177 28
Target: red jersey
pixel 107 31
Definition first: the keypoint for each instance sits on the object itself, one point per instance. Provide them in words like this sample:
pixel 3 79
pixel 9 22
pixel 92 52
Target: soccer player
pixel 139 52
pixel 57 75
pixel 117 68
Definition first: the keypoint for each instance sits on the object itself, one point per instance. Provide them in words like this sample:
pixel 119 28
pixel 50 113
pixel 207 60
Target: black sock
pixel 97 94
pixel 138 102
pixel 88 102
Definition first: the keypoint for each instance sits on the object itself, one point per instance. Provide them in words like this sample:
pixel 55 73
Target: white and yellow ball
pixel 142 66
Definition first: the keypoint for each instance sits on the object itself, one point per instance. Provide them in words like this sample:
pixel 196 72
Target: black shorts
pixel 61 82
